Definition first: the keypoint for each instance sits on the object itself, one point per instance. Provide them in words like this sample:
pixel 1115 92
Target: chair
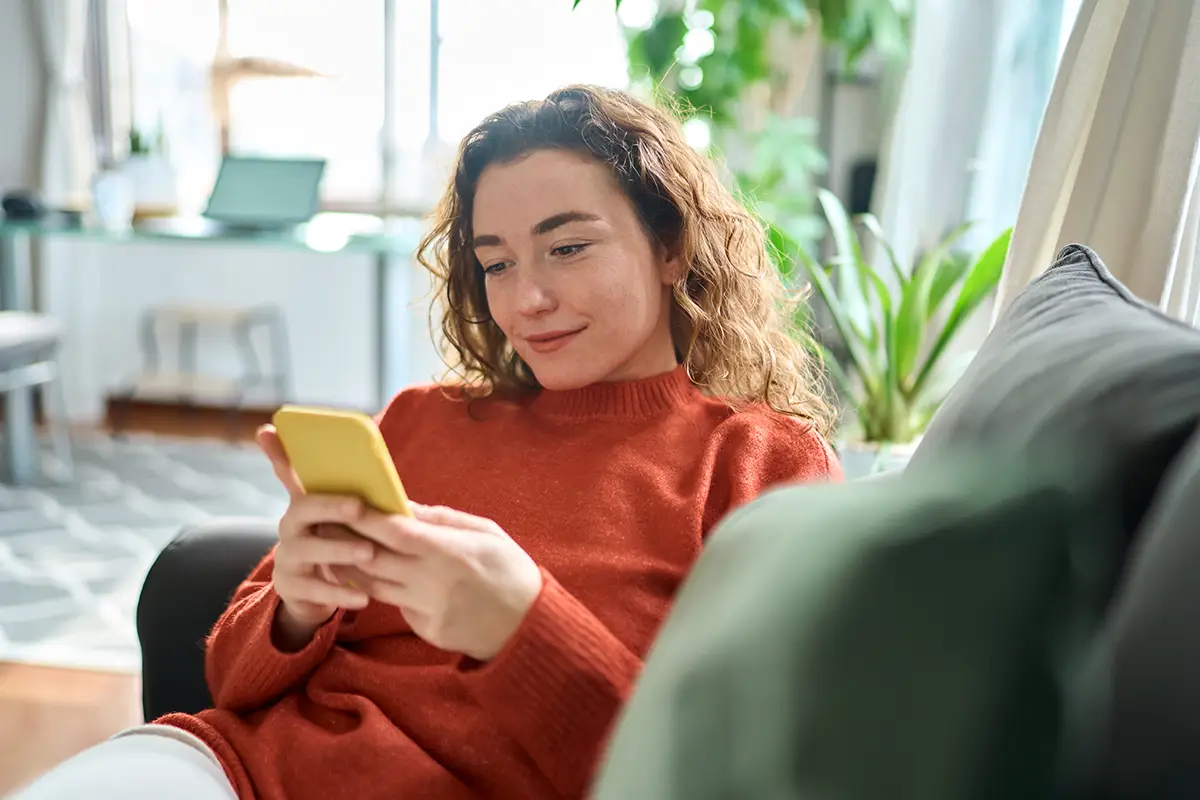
pixel 29 347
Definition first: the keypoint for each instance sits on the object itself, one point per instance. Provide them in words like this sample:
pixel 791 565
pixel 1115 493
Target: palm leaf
pixel 871 223
pixel 862 363
pixel 980 280
pixel 916 310
pixel 852 285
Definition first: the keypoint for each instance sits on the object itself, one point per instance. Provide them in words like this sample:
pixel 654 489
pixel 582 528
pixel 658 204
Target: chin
pixel 560 374
pixel 564 378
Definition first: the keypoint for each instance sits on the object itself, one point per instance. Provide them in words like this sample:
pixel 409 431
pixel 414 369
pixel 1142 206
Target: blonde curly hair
pixel 731 322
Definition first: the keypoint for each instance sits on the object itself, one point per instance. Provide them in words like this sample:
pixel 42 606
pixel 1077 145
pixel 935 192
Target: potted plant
pixel 894 327
pixel 149 169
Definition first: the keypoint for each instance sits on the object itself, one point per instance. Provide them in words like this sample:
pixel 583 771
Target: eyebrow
pixel 543 227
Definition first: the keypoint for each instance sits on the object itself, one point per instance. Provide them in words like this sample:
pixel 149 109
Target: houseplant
pixel 894 327
pixel 153 177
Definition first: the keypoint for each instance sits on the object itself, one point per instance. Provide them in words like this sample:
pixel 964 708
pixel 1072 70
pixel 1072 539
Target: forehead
pixel 522 193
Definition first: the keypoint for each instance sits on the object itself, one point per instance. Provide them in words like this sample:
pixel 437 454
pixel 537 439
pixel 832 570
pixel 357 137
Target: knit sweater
pixel 611 489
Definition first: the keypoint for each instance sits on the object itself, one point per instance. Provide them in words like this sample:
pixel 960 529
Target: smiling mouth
pixel 548 343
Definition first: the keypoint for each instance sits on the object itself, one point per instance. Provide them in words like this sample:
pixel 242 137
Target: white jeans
pixel 149 762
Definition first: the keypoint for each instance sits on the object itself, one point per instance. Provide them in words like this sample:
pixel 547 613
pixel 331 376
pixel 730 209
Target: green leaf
pixel 852 283
pixel 916 311
pixel 911 323
pixel 981 279
pixel 861 361
pixel 872 224
pixel 946 277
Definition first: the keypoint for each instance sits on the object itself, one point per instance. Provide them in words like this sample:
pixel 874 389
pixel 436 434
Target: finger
pixel 320 592
pixel 391 566
pixel 452 517
pixel 395 594
pixel 404 535
pixel 313 509
pixel 269 442
pixel 335 530
pixel 317 550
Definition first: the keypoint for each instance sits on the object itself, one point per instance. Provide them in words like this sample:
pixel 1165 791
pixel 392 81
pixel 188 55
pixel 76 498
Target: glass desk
pixel 383 239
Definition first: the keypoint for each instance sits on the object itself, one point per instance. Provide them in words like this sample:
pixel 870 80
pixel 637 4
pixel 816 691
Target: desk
pixel 383 239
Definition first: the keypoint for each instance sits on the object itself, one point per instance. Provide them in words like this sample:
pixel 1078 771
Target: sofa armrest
pixel 185 591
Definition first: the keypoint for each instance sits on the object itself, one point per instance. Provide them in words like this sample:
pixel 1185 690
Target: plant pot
pixel 155 185
pixel 864 459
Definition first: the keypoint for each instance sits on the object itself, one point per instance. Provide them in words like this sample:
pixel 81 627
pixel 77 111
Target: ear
pixel 671 265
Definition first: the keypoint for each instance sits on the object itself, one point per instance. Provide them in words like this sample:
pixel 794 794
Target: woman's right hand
pixel 312 542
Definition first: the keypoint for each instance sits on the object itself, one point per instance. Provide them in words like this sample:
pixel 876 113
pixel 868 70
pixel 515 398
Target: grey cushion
pixel 1078 357
pixel 1148 688
pixel 905 638
pixel 27 338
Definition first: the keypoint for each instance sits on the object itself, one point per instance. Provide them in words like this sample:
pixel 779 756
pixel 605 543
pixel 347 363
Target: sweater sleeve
pixel 757 450
pixel 557 685
pixel 244 669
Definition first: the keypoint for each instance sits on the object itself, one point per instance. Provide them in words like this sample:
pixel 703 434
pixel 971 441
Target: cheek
pixel 499 304
pixel 626 301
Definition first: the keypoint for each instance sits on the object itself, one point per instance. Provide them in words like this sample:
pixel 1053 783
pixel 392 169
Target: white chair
pixel 29 347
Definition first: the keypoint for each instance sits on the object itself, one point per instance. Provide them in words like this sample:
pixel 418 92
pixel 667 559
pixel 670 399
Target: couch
pixel 1013 615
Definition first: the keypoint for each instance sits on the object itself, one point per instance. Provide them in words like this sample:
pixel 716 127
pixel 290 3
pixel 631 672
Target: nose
pixel 534 294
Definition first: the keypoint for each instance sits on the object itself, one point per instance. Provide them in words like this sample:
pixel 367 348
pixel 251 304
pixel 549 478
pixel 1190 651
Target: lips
pixel 551 341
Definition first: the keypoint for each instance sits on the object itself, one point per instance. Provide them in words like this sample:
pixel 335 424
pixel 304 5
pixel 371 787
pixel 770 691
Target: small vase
pixel 113 200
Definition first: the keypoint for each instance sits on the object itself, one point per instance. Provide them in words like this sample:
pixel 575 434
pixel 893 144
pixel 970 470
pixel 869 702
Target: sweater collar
pixel 644 397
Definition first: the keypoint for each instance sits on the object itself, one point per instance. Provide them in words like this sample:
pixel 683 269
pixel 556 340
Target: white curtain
pixel 978 81
pixel 68 152
pixel 1116 159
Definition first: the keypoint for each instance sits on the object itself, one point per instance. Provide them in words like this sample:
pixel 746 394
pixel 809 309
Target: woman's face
pixel 572 279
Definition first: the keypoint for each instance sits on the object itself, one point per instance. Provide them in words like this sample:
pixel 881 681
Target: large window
pixel 308 77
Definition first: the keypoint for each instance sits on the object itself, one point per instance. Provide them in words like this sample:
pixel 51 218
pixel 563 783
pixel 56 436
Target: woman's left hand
pixel 461 582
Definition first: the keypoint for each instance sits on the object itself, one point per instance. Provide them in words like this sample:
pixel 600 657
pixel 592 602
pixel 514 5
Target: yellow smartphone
pixel 341 452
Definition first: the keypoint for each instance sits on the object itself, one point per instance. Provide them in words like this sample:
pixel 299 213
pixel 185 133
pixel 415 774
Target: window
pixel 308 77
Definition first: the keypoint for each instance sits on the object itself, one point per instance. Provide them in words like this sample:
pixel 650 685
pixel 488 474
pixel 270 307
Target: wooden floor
pixel 47 715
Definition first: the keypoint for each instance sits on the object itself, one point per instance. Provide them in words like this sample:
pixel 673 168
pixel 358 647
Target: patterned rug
pixel 73 556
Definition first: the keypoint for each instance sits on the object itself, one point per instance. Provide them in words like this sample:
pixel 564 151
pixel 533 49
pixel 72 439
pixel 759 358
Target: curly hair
pixel 730 320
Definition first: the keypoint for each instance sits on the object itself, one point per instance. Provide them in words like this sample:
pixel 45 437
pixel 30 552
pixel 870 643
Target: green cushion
pixel 899 638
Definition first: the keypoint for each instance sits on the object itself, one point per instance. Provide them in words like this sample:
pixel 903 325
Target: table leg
pixel 20 433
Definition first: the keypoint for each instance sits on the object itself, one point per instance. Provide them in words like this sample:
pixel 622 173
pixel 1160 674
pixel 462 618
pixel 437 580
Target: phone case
pixel 341 452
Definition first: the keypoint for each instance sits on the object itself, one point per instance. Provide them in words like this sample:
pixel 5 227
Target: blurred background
pixel 163 334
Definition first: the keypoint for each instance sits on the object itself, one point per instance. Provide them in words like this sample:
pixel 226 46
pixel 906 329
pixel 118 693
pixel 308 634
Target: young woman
pixel 625 378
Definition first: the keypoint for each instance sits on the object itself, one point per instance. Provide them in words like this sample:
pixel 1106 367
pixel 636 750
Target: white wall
pixel 100 291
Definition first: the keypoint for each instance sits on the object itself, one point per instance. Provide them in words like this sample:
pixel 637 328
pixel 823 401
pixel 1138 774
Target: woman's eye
pixel 495 269
pixel 567 250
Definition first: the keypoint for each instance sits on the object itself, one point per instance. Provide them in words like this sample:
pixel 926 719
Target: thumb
pixel 269 442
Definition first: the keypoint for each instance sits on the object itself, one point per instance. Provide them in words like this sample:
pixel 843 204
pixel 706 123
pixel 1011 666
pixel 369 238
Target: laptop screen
pixel 266 191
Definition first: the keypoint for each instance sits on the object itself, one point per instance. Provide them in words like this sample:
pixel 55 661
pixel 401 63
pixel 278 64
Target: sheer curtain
pixel 1117 156
pixel 68 150
pixel 967 118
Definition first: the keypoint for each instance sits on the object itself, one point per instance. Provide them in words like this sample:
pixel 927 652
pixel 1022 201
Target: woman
pixel 625 379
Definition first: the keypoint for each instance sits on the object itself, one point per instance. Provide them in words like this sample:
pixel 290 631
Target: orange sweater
pixel 611 489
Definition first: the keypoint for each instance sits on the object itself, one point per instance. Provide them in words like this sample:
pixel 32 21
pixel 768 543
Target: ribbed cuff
pixel 558 683
pixel 263 671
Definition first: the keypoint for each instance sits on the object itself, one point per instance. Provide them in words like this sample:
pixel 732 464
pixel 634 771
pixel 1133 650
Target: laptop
pixel 253 195
pixel 260 194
